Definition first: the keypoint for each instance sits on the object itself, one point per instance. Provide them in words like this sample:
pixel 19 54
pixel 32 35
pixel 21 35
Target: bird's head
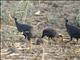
pixel 14 18
pixel 66 20
pixel 39 41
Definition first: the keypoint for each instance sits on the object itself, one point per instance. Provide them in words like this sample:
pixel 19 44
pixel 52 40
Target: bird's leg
pixel 30 45
pixel 71 38
pixel 46 41
pixel 77 40
pixel 49 40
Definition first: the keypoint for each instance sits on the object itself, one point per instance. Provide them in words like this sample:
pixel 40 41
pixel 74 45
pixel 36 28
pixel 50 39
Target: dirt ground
pixel 53 51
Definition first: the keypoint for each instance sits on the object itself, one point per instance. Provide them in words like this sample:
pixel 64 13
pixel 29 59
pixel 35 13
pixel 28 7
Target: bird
pixel 25 29
pixel 22 27
pixel 50 33
pixel 39 41
pixel 73 31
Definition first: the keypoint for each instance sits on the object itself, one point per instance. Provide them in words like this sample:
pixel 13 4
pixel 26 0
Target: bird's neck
pixel 66 24
pixel 16 22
